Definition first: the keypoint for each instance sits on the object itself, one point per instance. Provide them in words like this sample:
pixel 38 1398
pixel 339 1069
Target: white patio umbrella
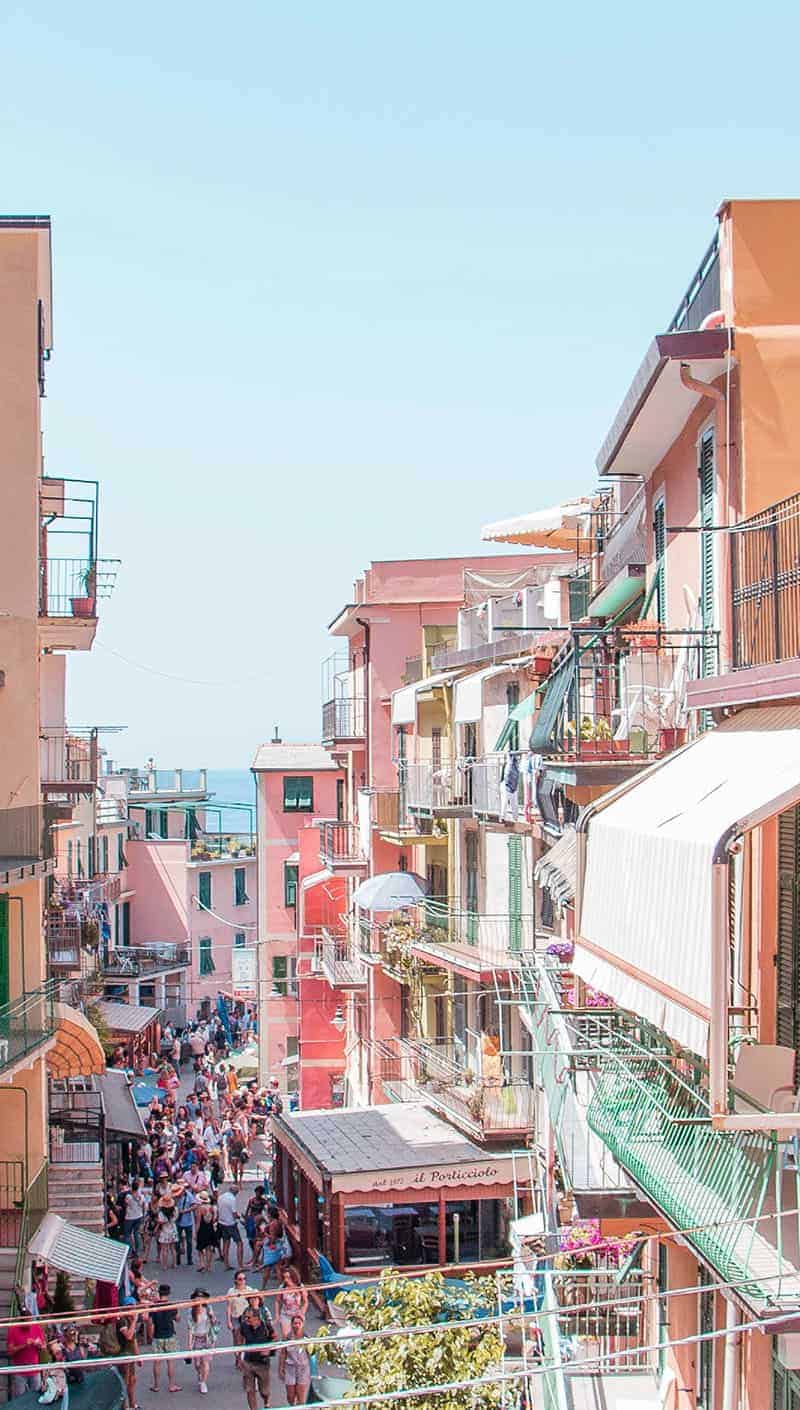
pixel 389 891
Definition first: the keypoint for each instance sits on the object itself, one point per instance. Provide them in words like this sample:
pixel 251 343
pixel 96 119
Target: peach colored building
pixel 295 784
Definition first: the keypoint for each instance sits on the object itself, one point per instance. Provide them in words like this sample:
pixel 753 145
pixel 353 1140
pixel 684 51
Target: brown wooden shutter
pixel 787 1025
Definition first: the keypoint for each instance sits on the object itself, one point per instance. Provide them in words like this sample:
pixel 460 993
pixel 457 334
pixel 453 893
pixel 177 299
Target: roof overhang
pixel 658 404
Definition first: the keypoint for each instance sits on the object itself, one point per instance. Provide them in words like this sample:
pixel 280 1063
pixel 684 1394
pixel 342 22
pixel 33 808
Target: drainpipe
pixel 730 1365
pixel 703 389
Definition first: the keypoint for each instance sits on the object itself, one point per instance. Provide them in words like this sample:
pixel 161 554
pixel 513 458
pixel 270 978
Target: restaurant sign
pixel 428 1177
pixel 243 973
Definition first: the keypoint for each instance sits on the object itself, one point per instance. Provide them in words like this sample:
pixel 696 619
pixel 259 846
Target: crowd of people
pixel 182 1201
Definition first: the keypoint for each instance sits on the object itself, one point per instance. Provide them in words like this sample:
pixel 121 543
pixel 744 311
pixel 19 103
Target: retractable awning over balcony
pixel 560 526
pixel 646 931
pixel 555 871
pixel 404 701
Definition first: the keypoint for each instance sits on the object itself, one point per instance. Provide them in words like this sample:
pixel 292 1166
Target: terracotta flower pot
pixel 82 606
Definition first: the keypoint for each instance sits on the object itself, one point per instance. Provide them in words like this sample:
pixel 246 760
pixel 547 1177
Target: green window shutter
pixel 4 987
pixel 90 855
pixel 290 872
pixel 706 469
pixel 578 588
pixel 240 896
pixel 515 893
pixel 206 958
pixel 121 862
pixel 163 823
pixel 512 701
pixel 788 958
pixel 104 863
pixel 149 822
pixel 472 843
pixel 204 889
pixel 659 551
pixel 298 795
pixel 78 863
pixel 279 974
pixel 69 858
pixel 239 940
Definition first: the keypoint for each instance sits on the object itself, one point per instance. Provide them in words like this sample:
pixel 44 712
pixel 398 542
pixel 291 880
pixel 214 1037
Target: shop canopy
pixel 128 1019
pixel 556 870
pixel 404 701
pixel 560 526
pixel 121 1112
pixel 78 1251
pixel 377 1149
pixel 645 930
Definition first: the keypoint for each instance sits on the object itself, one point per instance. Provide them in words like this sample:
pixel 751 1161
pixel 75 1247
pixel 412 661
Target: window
pixel 122 860
pixel 578 587
pixel 124 923
pixel 91 847
pixel 104 855
pixel 204 889
pixel 205 955
pixel 239 940
pixel 436 748
pixel 284 975
pixel 298 795
pixel 190 824
pixel 340 800
pixel 787 965
pixel 163 823
pixel 240 896
pixel 69 858
pixel 512 701
pixel 149 822
pixel 290 884
pixel 78 862
pixel 659 552
pixel 436 914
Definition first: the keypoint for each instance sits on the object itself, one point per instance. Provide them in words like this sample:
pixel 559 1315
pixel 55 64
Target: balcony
pixel 68 762
pixel 505 626
pixel 166 783
pixel 340 847
pixel 434 787
pixel 765 586
pixel 473 945
pixel 340 962
pixel 72 578
pixel 702 296
pixel 223 846
pixel 26 842
pixel 133 961
pixel 438 1074
pixel 25 1024
pixel 618 697
pixel 344 720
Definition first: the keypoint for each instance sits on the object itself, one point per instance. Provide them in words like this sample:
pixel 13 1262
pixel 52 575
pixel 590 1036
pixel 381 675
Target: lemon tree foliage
pixel 404 1362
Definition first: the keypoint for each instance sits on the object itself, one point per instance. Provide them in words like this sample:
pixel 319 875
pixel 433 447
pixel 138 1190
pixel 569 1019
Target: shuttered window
pixel 706 470
pixel 515 893
pixel 437 892
pixel 471 846
pixel 659 552
pixel 4 954
pixel 436 748
pixel 788 958
pixel 290 872
pixel 512 701
pixel 785 1386
pixel 204 889
pixel 240 896
pixel 298 795
pixel 206 958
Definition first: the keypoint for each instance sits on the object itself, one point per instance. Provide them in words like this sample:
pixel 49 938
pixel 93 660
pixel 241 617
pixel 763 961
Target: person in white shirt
pixel 134 1214
pixel 229 1231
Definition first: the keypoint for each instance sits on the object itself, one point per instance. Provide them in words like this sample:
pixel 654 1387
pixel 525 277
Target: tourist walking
pixel 202 1336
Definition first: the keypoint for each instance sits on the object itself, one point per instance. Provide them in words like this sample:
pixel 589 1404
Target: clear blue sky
pixel 341 281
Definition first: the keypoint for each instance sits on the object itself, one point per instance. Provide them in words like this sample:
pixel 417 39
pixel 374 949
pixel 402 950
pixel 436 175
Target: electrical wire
pixel 183 680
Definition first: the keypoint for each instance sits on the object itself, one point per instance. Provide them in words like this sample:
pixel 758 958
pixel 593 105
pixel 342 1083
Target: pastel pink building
pixel 295 784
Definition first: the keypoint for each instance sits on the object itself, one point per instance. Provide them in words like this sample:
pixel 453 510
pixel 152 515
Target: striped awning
pixel 78 1251
pixel 77 1051
pixel 556 871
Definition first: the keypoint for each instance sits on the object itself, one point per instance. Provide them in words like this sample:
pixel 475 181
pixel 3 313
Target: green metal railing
pixel 25 1023
pixel 34 1209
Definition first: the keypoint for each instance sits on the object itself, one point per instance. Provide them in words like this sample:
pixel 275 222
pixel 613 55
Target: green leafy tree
pixel 406 1361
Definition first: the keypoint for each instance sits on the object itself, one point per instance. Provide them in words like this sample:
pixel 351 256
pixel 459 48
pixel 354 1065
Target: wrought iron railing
pixel 26 1023
pixel 486 789
pixel 340 844
pixel 25 833
pixel 66 758
pixel 344 717
pixel 218 846
pixel 77 1127
pixel 491 939
pixel 341 963
pixel 82 893
pixel 702 296
pixel 12 1198
pixel 765 585
pixel 72 587
pixel 620 692
pixel 133 960
pixel 439 1073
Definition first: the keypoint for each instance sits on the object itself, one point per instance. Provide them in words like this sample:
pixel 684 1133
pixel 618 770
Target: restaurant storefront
pixel 391 1185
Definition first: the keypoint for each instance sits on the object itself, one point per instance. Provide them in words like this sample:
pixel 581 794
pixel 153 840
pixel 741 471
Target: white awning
pixel 556 870
pixel 78 1251
pixel 645 925
pixel 468 692
pixel 315 879
pixel 560 526
pixel 404 701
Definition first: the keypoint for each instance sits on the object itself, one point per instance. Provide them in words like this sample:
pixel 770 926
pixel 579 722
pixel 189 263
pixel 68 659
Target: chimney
pixel 276 739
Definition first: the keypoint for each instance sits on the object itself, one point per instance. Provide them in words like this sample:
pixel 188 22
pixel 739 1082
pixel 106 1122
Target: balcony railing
pixel 438 1073
pixel 765 585
pixel 26 1023
pixel 72 587
pixel 79 895
pixel 67 759
pixel 217 846
pixel 26 835
pixel 620 693
pixel 340 962
pixel 166 781
pixel 429 788
pixel 486 789
pixel 130 961
pixel 343 718
pixel 340 845
pixel 701 297
pixel 435 931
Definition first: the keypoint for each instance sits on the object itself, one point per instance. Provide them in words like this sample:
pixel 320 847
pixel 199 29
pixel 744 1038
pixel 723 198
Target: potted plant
pixel 671 737
pixel 84 606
